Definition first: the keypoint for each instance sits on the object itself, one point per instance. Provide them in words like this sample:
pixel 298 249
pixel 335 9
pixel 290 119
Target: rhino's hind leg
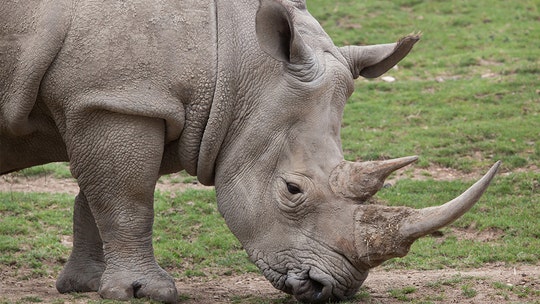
pixel 86 263
pixel 116 160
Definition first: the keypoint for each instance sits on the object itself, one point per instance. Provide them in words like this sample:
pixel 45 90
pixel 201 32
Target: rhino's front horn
pixel 428 220
pixel 361 180
pixel 382 232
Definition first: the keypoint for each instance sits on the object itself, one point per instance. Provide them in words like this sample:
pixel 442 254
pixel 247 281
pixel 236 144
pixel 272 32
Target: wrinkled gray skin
pixel 245 95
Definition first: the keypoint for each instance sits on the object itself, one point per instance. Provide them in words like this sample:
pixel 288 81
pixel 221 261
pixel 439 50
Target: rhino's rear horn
pixel 361 180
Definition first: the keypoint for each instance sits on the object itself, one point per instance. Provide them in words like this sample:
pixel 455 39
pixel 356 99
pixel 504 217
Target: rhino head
pixel 300 210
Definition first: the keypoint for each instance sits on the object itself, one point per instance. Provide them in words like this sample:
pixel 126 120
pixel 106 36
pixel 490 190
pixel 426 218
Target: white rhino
pixel 246 95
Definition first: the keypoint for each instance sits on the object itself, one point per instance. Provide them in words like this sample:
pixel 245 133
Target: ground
pixel 492 283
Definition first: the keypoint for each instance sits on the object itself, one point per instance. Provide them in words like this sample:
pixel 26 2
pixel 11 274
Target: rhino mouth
pixel 311 286
pixel 309 289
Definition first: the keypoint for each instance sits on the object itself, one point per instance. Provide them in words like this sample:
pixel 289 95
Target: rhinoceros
pixel 246 95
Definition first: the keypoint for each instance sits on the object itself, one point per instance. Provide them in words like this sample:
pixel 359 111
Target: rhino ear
pixel 276 34
pixel 374 60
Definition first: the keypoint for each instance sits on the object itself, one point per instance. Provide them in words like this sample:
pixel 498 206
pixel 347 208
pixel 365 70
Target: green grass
pixel 30 232
pixel 468 291
pixel 178 178
pixel 401 294
pixel 56 170
pixel 487 108
pixel 191 238
pixel 523 292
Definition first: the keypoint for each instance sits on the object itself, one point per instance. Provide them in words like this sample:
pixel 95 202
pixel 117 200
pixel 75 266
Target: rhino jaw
pixel 382 233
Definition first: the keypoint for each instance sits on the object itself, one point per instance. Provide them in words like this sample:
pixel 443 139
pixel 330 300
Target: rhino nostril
pixel 317 290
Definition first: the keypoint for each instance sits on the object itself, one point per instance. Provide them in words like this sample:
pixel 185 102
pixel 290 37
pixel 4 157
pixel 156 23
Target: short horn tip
pixel 411 159
pixel 403 161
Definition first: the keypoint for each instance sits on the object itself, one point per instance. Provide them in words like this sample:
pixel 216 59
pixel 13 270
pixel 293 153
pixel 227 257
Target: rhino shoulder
pixel 31 36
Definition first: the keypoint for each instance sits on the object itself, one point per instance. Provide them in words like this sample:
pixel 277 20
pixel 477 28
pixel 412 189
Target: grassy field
pixel 467 96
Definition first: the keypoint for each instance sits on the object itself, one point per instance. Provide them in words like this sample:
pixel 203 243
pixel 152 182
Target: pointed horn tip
pixel 477 189
pixel 416 35
pixel 496 166
pixel 383 168
pixel 409 159
pixel 412 37
pixel 491 173
pixel 440 216
pixel 398 163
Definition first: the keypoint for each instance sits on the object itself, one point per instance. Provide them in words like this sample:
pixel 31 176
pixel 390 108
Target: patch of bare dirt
pixel 433 172
pixel 47 184
pixel 491 284
pixel 438 173
pixel 470 233
pixel 16 183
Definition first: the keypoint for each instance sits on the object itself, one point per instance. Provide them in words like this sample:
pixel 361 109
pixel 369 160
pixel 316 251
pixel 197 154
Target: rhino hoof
pixel 121 286
pixel 80 277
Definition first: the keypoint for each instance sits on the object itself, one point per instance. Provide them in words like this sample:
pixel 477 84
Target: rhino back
pixel 113 43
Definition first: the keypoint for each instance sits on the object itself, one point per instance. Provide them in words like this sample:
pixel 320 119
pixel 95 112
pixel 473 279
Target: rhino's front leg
pixel 116 160
pixel 86 263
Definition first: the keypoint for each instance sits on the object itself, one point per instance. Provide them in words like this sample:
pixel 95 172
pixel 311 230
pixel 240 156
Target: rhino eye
pixel 293 188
